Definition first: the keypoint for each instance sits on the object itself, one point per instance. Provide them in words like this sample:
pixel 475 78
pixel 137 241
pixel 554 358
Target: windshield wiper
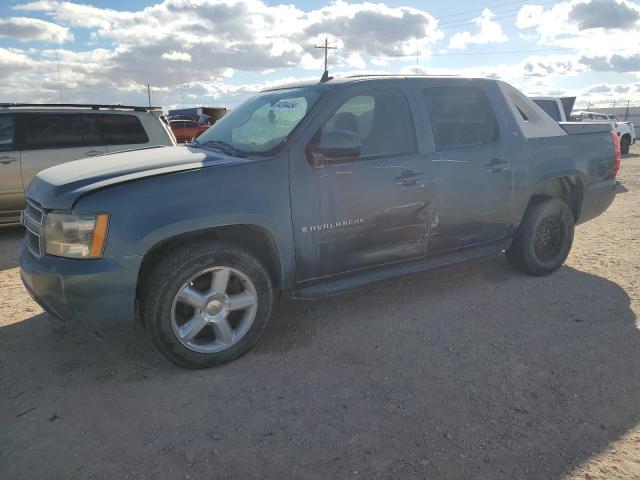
pixel 224 147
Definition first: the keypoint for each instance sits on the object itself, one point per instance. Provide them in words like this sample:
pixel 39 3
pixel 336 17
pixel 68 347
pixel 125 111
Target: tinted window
pixel 51 130
pixel 91 134
pixel 122 130
pixel 460 117
pixel 7 132
pixel 550 107
pixel 381 119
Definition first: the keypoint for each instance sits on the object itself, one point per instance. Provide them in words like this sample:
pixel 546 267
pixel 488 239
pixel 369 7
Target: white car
pixel 34 137
pixel 625 130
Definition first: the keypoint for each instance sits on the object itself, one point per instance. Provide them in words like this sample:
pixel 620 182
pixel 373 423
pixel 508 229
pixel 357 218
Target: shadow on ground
pixel 10 238
pixel 467 372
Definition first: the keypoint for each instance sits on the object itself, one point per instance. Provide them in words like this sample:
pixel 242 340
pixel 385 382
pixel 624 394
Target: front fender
pixel 147 212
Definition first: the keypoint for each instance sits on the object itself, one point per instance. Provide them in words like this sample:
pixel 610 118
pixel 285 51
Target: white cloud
pixel 490 31
pixel 26 29
pixel 175 56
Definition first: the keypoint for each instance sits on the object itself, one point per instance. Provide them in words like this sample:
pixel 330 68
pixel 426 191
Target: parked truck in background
pixel 625 130
pixel 306 191
pixel 560 109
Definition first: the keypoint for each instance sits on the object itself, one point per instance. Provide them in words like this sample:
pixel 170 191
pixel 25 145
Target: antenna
pixel 149 94
pixel 180 74
pixel 59 81
pixel 326 48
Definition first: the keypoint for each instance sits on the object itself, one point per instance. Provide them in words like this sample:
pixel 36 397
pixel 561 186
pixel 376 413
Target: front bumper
pixel 99 293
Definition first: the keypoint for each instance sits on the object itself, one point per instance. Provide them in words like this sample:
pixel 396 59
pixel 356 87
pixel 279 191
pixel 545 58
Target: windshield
pixel 262 123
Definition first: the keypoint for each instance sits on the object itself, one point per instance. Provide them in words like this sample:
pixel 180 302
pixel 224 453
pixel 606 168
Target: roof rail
pixel 92 106
pixel 359 75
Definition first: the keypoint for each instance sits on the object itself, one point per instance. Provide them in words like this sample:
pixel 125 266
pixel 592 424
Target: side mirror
pixel 334 147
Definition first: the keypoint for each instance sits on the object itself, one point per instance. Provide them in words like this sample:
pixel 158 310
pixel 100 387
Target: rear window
pixel 122 130
pixel 460 117
pixel 550 107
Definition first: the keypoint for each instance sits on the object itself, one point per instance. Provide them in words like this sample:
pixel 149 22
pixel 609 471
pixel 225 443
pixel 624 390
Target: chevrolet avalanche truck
pixel 306 191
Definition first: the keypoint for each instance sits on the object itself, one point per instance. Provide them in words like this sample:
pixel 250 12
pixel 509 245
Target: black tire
pixel 169 276
pixel 625 144
pixel 544 238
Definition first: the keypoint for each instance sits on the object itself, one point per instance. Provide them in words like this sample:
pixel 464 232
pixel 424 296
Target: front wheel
pixel 206 304
pixel 625 144
pixel 544 238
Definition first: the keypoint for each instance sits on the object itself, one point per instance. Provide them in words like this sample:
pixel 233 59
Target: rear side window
pixel 52 131
pixel 7 132
pixel 381 119
pixel 60 130
pixel 460 117
pixel 122 130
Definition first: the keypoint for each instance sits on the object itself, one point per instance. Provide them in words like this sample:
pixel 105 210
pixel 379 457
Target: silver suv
pixel 34 137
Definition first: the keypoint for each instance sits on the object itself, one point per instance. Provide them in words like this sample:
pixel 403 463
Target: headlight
pixel 75 236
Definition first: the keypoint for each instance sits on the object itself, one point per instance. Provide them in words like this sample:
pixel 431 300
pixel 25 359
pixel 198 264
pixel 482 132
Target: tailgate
pixel 581 128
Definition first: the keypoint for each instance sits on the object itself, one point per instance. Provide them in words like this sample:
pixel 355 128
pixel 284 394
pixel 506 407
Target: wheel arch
pixel 257 239
pixel 567 187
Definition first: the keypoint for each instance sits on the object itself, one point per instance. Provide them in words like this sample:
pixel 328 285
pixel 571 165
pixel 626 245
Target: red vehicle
pixel 187 130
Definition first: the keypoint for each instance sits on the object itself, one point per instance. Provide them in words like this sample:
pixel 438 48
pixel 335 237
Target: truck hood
pixel 59 187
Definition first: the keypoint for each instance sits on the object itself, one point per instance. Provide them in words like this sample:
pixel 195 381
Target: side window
pixel 7 132
pixel 460 117
pixel 91 134
pixel 51 130
pixel 122 129
pixel 380 119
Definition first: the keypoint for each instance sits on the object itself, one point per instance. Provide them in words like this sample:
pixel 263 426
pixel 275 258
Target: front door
pixel 368 210
pixel 11 189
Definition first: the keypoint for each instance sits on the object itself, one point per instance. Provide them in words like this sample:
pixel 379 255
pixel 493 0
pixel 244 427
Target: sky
pixel 220 52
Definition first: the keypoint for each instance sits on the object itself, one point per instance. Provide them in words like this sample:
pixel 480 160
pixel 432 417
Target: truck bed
pixel 581 128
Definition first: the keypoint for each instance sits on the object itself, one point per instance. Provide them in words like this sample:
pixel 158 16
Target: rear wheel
pixel 544 238
pixel 625 144
pixel 204 304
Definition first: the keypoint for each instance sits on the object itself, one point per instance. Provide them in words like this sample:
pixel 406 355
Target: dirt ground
pixel 473 371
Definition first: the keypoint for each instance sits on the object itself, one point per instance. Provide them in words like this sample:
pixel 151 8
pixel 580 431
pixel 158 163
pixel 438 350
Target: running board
pixel 355 280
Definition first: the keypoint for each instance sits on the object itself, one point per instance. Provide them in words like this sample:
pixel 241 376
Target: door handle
pixel 496 166
pixel 409 178
pixel 91 153
pixel 5 160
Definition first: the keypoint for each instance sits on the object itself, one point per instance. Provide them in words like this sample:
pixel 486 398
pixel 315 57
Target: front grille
pixel 32 220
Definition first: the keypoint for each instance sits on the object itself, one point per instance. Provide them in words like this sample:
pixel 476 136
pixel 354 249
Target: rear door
pixel 11 190
pixel 49 139
pixel 123 132
pixel 472 174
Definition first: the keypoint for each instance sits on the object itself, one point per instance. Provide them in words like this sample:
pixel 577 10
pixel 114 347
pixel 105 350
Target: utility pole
pixel 588 106
pixel 180 74
pixel 326 49
pixel 149 94
pixel 614 107
pixel 626 113
pixel 59 81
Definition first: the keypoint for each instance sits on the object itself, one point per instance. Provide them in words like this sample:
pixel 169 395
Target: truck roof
pixel 368 77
